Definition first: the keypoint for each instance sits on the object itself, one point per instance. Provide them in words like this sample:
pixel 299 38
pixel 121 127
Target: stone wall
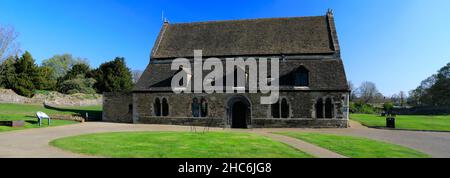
pixel 209 122
pixel 68 117
pixel 118 107
pixel 255 123
pixel 9 96
pixel 299 123
pixel 52 98
pixel 301 105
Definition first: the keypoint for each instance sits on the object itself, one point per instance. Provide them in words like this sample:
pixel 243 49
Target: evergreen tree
pixel 44 79
pixel 113 76
pixel 26 75
pixel 79 71
pixel 8 72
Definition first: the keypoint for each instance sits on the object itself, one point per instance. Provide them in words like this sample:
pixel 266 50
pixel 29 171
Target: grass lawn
pixel 356 147
pixel 429 123
pixel 178 145
pixel 26 112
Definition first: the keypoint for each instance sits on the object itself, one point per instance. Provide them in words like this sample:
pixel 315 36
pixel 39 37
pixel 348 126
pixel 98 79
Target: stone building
pixel 313 85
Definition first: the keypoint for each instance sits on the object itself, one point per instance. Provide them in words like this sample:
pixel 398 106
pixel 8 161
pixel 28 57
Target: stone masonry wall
pixel 301 103
pixel 52 98
pixel 117 107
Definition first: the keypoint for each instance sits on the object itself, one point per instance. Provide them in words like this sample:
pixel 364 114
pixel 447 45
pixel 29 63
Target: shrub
pixel 387 107
pixel 362 108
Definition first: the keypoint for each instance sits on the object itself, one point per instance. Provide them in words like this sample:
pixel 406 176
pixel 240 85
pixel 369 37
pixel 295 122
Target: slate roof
pixel 324 75
pixel 300 36
pixel 296 35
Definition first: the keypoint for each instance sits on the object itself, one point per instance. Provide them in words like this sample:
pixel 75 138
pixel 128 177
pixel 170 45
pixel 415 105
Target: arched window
pixel 195 108
pixel 284 108
pixel 204 108
pixel 301 77
pixel 329 108
pixel 130 108
pixel 275 110
pixel 319 108
pixel 165 107
pixel 280 110
pixel 157 107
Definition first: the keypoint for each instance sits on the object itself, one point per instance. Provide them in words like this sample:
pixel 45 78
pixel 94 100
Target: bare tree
pixel 352 89
pixel 136 75
pixel 395 99
pixel 8 44
pixel 368 92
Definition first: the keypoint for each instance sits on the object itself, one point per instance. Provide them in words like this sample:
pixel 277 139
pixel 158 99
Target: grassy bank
pixel 428 123
pixel 356 147
pixel 26 112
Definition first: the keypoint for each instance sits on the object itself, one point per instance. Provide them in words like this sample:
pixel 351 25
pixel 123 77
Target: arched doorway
pixel 239 116
pixel 239 112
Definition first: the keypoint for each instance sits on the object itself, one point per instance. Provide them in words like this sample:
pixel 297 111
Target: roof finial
pixel 330 11
pixel 164 19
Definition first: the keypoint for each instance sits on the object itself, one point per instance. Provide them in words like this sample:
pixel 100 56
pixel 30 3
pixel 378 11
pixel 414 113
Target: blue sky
pixel 394 43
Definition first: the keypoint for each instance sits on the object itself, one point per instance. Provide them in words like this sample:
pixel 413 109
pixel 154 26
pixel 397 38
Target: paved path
pixel 34 142
pixel 306 147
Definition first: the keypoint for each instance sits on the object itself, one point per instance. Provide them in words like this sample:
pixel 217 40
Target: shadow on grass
pixel 31 122
pixel 92 114
pixel 31 117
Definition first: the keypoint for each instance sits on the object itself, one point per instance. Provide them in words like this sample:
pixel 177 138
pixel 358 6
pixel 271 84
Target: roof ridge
pixel 241 20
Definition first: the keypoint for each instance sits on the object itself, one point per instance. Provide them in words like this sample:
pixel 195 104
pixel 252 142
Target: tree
pixel 77 69
pixel 420 96
pixel 352 91
pixel 79 84
pixel 440 91
pixel 387 107
pixel 23 76
pixel 368 92
pixel 113 76
pixel 44 79
pixel 77 80
pixel 433 91
pixel 61 64
pixel 136 75
pixel 8 72
pixel 9 47
pixel 395 99
pixel 26 74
